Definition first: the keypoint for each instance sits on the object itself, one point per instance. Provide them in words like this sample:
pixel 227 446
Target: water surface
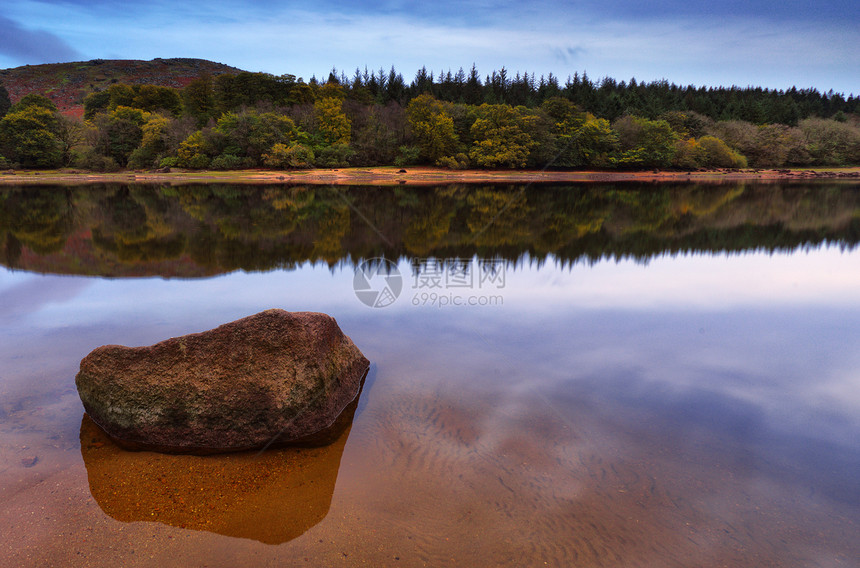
pixel 667 375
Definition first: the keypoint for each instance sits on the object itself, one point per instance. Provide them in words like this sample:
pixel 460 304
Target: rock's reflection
pixel 272 497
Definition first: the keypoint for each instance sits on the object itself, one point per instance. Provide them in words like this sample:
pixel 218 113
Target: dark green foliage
pixel 251 134
pixel 120 132
pixel 608 98
pixel 407 155
pixel 198 100
pixel 5 101
pixel 227 162
pixel 644 143
pixel 376 134
pixel 95 103
pixel 232 92
pixel 150 98
pixel 154 98
pixel 334 156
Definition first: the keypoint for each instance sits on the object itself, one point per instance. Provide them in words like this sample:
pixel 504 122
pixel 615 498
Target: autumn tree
pixel 332 124
pixel 706 152
pixel 284 157
pixel 30 133
pixel 499 139
pixel 717 154
pixel 432 128
pixel 155 144
pixel 195 151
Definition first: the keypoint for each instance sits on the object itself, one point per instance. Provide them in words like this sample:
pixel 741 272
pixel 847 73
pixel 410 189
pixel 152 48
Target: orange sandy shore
pixel 412 176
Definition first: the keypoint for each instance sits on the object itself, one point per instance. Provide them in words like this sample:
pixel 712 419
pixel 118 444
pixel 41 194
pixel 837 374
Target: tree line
pixel 251 120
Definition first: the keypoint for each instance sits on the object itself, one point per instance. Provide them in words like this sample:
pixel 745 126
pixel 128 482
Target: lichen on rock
pixel 274 378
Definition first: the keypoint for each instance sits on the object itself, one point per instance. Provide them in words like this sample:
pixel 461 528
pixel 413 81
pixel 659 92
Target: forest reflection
pixel 207 229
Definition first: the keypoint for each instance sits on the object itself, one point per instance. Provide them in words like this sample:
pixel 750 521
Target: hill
pixel 68 83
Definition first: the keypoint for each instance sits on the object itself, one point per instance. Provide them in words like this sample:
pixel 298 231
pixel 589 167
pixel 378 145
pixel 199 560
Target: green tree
pixel 739 135
pixel 154 98
pixel 592 142
pixel 334 156
pixel 94 103
pixel 251 134
pixel 120 95
pixel 644 143
pixel 120 132
pixel 198 100
pixel 580 139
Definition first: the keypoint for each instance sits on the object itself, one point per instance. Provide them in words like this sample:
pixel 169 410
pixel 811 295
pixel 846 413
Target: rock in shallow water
pixel 275 376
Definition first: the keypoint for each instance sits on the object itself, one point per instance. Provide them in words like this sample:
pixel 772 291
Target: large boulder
pixel 272 379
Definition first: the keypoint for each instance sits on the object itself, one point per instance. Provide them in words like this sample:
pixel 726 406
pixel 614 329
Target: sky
pixel 773 44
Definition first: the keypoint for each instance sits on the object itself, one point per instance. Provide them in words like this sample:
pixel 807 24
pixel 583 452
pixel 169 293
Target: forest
pixel 450 120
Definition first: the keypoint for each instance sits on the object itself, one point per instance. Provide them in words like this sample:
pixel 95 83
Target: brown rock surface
pixel 274 378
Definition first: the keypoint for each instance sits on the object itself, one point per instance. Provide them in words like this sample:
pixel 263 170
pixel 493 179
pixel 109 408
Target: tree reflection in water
pixel 201 230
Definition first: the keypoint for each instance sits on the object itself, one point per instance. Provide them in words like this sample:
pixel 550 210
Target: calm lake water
pixel 579 375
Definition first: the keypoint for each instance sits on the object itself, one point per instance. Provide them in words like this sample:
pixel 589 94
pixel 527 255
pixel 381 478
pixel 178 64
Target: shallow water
pixel 692 408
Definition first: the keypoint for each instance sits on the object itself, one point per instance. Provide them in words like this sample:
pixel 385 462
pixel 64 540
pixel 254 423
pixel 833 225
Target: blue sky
pixel 752 42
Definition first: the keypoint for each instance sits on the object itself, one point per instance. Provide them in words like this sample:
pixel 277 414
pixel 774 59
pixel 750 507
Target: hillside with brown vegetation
pixel 68 83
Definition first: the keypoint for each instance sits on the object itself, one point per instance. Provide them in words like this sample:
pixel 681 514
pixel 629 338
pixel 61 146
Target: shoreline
pixel 392 175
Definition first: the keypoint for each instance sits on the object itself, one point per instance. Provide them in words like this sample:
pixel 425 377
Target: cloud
pixel 569 55
pixel 32 46
pixel 684 41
